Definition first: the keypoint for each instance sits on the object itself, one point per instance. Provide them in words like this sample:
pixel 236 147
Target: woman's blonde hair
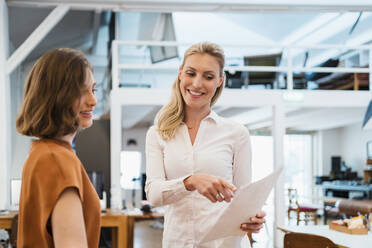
pixel 52 87
pixel 171 115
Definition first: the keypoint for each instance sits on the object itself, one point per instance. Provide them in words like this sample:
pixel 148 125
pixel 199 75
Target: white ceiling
pixel 303 22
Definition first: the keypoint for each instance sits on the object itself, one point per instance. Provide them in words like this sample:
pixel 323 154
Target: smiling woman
pixel 58 207
pixel 195 159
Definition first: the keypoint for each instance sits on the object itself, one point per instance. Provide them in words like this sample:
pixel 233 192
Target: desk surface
pixel 340 238
pixel 345 186
pixel 122 222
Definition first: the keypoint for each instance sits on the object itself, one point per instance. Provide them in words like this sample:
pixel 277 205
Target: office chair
pixel 304 240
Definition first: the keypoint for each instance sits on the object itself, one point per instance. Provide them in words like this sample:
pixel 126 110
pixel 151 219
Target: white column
pixel 290 69
pixel 115 142
pixel 278 135
pixel 5 140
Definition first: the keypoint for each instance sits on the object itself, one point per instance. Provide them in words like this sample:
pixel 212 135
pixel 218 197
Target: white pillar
pixel 290 69
pixel 278 135
pixel 116 143
pixel 5 140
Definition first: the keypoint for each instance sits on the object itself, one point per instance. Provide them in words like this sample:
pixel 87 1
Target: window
pixel 298 164
pixel 130 168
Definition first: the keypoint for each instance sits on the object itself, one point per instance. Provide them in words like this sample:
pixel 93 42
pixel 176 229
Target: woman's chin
pixel 86 124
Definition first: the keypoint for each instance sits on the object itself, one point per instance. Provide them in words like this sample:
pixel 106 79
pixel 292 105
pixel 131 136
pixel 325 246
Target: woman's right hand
pixel 212 187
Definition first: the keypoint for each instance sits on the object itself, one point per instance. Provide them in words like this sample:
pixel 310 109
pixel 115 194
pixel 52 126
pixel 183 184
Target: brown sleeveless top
pixel 50 168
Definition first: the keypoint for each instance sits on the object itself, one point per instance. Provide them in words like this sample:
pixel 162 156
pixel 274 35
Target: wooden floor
pixel 146 236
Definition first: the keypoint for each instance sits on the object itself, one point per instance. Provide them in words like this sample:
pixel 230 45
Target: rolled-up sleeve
pixel 242 169
pixel 159 190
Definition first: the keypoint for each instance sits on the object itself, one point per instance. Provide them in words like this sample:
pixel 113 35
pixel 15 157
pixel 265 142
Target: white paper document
pixel 247 202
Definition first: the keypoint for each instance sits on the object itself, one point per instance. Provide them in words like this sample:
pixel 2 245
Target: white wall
pixel 354 150
pixel 348 142
pixel 331 144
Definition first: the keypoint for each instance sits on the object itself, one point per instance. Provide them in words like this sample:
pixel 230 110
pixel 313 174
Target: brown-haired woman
pixel 59 207
pixel 196 159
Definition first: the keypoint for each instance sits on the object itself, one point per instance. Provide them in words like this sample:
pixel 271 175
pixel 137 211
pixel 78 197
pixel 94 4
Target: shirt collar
pixel 213 116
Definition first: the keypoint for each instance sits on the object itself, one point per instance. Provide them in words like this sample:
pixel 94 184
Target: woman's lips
pixel 87 115
pixel 195 94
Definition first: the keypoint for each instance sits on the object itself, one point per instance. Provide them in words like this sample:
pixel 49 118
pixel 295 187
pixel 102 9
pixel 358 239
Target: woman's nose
pixel 92 100
pixel 197 82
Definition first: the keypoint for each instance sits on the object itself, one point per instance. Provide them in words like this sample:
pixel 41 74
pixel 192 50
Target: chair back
pixel 304 240
pixel 292 198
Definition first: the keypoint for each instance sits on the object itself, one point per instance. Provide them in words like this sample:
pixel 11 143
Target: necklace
pixel 188 127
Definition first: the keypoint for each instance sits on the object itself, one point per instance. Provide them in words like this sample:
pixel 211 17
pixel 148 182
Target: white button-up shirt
pixel 221 148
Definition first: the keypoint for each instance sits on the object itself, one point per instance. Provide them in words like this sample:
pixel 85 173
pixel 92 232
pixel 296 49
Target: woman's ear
pixel 179 73
pixel 222 78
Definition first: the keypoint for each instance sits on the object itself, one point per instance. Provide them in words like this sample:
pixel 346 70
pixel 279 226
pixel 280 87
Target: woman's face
pixel 199 79
pixel 85 105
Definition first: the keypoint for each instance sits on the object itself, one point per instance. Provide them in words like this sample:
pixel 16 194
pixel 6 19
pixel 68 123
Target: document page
pixel 247 202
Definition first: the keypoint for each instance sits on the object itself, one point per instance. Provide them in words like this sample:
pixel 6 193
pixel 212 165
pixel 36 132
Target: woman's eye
pixel 190 74
pixel 94 90
pixel 209 77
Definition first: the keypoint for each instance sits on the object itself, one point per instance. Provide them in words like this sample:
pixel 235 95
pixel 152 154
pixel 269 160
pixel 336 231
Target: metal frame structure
pixel 205 5
pixel 276 99
pixel 120 97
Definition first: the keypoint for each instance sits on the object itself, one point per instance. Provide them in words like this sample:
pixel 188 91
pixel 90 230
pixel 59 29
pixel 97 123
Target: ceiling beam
pixel 318 119
pixel 335 24
pixel 95 27
pixel 328 119
pixel 205 6
pixel 35 37
pixel 262 114
pixel 309 27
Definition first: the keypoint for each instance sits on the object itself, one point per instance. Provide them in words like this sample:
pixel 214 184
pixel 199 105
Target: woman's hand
pixel 212 187
pixel 255 223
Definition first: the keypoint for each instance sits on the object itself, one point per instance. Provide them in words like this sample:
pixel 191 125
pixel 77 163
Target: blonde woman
pixel 195 158
pixel 58 207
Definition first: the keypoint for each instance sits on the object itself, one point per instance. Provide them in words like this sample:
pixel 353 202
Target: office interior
pixel 298 77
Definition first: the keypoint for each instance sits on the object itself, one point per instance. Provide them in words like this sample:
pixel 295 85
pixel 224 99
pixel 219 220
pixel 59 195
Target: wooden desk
pixel 6 219
pixel 119 224
pixel 137 216
pixel 116 220
pixel 122 224
pixel 343 240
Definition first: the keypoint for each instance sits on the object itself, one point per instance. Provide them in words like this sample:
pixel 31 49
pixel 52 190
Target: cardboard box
pixel 345 229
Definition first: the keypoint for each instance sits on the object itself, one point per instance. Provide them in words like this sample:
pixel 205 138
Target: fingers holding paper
pixel 255 223
pixel 212 187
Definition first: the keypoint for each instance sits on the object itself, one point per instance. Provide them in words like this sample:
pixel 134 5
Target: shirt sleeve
pixel 159 190
pixel 55 172
pixel 242 159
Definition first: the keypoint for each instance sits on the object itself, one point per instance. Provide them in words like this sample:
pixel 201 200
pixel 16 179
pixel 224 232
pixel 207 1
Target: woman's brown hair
pixel 52 87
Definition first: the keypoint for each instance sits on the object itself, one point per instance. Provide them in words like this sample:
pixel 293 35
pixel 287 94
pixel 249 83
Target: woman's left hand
pixel 255 223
